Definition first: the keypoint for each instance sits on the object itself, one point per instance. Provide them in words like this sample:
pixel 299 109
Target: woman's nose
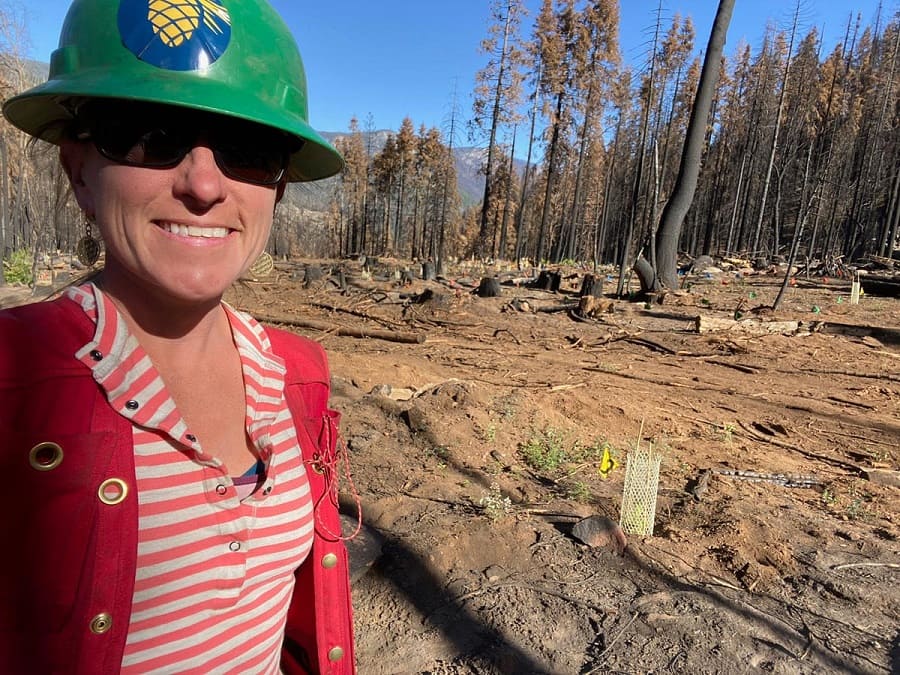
pixel 199 178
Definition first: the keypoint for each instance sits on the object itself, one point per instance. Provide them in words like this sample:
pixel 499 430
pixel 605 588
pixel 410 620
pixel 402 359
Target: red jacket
pixel 67 571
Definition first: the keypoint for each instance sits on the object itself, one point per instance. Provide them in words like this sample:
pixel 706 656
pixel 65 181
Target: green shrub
pixel 17 267
pixel 545 450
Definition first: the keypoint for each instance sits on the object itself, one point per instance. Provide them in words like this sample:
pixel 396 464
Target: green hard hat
pixel 230 57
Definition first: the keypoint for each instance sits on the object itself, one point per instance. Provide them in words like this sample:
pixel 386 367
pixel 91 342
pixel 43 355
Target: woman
pixel 170 464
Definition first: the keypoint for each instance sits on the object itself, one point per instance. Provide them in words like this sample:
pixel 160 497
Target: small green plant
pixel 726 431
pixel 578 492
pixel 442 453
pixel 545 450
pixel 490 434
pixel 858 508
pixel 17 267
pixel 494 504
pixel 852 504
pixel 505 407
pixel 590 453
pixel 881 454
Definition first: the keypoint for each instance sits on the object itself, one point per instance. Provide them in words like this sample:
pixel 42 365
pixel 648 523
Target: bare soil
pixel 787 562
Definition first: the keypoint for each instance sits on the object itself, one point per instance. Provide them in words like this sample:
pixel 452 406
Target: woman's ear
pixel 72 155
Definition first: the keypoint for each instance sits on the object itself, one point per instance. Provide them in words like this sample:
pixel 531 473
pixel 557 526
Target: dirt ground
pixel 476 430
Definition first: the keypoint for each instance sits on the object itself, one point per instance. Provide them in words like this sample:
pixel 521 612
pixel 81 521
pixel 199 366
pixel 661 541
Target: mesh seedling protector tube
pixel 639 493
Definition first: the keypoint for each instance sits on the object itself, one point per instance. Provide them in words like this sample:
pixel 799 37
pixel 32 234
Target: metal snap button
pixel 101 623
pixel 96 354
pixel 113 491
pixel 221 489
pixel 329 560
pixel 132 404
pixel 335 654
pixel 45 456
pixel 235 546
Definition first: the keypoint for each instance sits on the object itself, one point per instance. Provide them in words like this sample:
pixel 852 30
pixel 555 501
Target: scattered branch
pixel 602 656
pixel 391 336
pixel 806 453
pixel 893 566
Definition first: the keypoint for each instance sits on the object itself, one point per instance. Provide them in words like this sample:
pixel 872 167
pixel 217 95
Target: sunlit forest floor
pixel 481 430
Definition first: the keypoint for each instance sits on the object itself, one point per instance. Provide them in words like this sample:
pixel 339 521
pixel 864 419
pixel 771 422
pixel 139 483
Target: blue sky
pixel 406 57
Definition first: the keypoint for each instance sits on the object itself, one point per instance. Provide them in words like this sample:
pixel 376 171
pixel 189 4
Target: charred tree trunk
pixel 551 175
pixel 686 183
pixel 495 121
pixel 520 216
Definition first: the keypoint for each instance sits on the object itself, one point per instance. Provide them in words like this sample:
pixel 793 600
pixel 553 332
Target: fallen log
pixel 713 324
pixel 882 476
pixel 880 333
pixel 325 327
pixel 552 309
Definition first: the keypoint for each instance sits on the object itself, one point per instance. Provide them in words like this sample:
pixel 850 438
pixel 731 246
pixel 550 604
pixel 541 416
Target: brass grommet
pixel 45 456
pixel 335 654
pixel 113 491
pixel 329 560
pixel 101 623
pixel 318 468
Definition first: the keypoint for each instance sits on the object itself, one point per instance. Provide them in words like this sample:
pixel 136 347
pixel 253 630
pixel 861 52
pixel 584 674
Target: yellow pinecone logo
pixel 175 21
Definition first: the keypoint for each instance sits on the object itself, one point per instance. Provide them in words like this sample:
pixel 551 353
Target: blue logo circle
pixel 175 34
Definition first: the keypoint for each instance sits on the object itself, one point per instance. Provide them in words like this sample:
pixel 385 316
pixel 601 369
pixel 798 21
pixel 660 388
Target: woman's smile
pixel 194 231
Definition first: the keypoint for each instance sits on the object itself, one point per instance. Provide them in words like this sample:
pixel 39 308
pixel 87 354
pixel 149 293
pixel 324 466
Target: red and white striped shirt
pixel 214 571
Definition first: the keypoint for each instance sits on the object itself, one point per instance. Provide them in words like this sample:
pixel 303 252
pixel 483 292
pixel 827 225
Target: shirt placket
pixel 136 391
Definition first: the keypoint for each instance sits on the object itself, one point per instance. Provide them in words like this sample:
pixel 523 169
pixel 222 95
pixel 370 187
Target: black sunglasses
pixel 159 137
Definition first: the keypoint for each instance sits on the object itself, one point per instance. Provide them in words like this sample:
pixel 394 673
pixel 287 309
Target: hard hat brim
pixel 44 110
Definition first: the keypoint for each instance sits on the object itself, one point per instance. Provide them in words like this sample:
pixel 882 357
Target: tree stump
pixel 489 288
pixel 313 273
pixel 592 286
pixel 548 281
pixel 341 279
pixel 428 271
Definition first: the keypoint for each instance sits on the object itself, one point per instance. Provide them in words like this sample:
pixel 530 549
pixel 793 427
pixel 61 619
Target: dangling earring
pixel 263 266
pixel 88 248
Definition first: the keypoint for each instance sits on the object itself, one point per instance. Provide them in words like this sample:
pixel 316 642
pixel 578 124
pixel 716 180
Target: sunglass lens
pixel 159 147
pixel 140 144
pixel 252 163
